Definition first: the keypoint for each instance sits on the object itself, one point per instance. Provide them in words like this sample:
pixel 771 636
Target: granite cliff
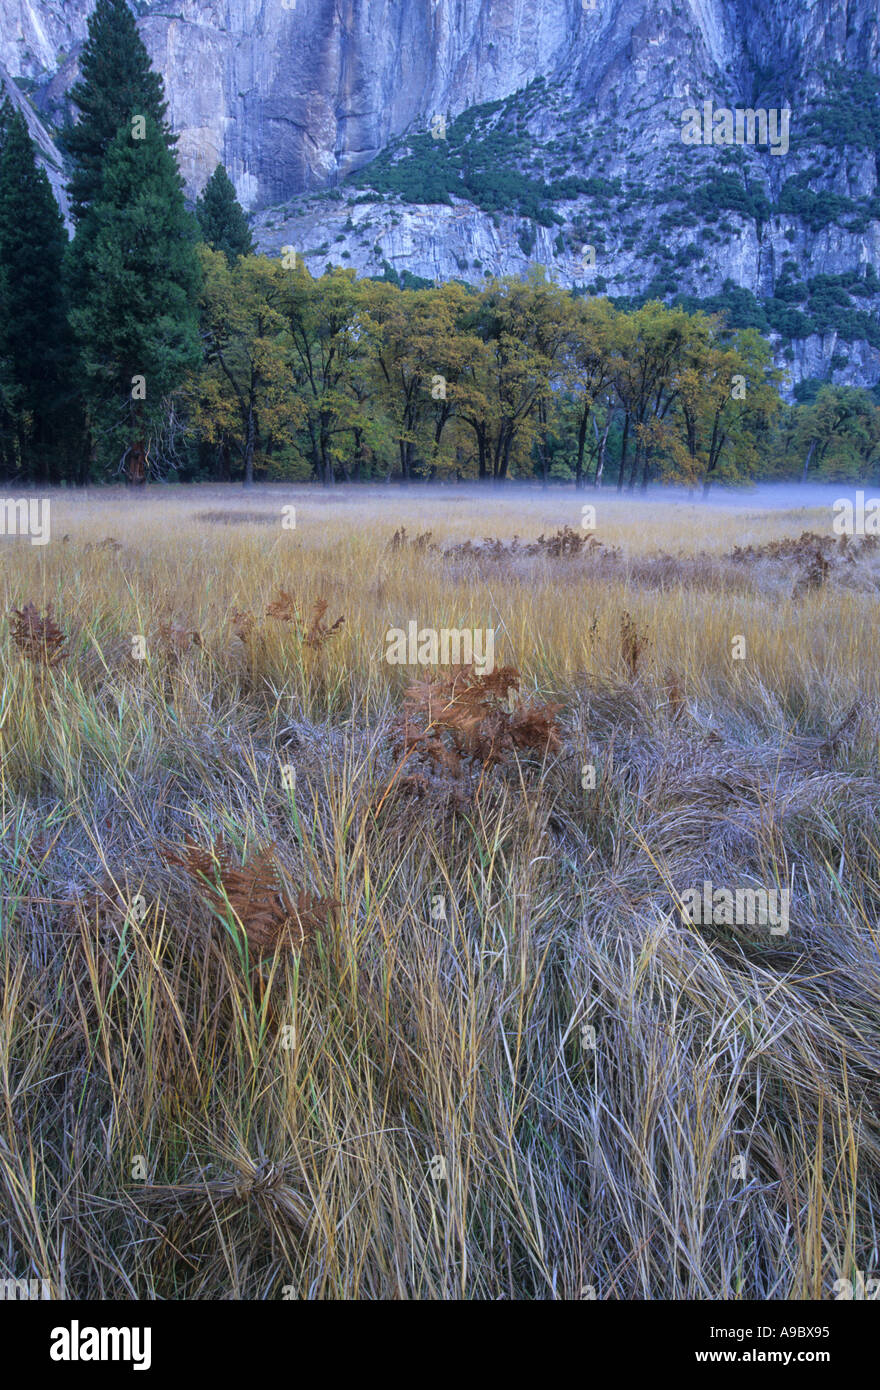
pixel 429 139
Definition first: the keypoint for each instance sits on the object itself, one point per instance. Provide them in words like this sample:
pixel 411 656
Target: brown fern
pixel 39 639
pixel 243 624
pixel 318 632
pixel 108 543
pixel 253 892
pixel 674 690
pixel 463 716
pixel 564 544
pixel 815 575
pixel 283 608
pixel 534 726
pixel 633 644
pixel 175 639
pixel 398 541
pixel 421 544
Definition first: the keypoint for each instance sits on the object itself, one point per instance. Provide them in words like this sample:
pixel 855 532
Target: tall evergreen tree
pixel 35 344
pixel 224 225
pixel 135 281
pixel 117 83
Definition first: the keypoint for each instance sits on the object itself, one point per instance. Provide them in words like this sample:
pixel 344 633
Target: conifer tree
pixel 35 345
pixel 223 223
pixel 117 84
pixel 135 280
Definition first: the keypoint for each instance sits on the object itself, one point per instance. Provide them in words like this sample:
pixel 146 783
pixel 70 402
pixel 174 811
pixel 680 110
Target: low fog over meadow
pixel 553 974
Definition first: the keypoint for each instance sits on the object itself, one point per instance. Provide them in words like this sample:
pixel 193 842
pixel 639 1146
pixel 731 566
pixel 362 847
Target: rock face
pixel 293 94
pixel 296 95
pixel 49 156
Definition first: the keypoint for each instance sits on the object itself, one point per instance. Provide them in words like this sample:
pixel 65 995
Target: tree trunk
pixel 542 446
pixel 634 471
pixel 225 462
pixel 505 459
pixel 582 439
pixel 136 468
pixel 23 452
pixel 623 448
pixel 483 471
pixel 249 448
pixel 600 453
pixel 317 463
pixel 326 462
pixel 707 481
pixel 646 468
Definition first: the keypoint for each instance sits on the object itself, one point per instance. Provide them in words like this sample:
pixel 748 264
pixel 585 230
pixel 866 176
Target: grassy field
pixel 313 987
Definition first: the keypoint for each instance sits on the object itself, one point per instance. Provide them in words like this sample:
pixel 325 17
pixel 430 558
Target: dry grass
pixel 386 1041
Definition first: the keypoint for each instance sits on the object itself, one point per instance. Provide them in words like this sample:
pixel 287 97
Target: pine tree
pixel 135 281
pixel 117 83
pixel 35 344
pixel 223 223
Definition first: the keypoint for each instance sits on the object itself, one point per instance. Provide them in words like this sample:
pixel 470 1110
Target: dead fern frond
pixel 108 543
pixel 39 639
pixel 252 891
pixel 500 683
pixel 633 644
pixel 463 716
pixel 312 913
pixel 421 544
pixel 243 623
pixel 283 608
pixel 563 544
pixel 398 541
pixel 201 864
pixel 175 639
pixel 674 690
pixel 318 633
pixel 534 726
pixel 814 576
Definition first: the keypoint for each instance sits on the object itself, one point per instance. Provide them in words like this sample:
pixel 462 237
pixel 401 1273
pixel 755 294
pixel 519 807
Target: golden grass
pixel 505 1067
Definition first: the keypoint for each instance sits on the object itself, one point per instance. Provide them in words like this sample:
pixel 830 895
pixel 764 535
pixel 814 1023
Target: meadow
pixel 324 977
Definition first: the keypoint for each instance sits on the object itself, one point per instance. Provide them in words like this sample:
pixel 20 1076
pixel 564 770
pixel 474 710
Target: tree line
pixel 156 344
